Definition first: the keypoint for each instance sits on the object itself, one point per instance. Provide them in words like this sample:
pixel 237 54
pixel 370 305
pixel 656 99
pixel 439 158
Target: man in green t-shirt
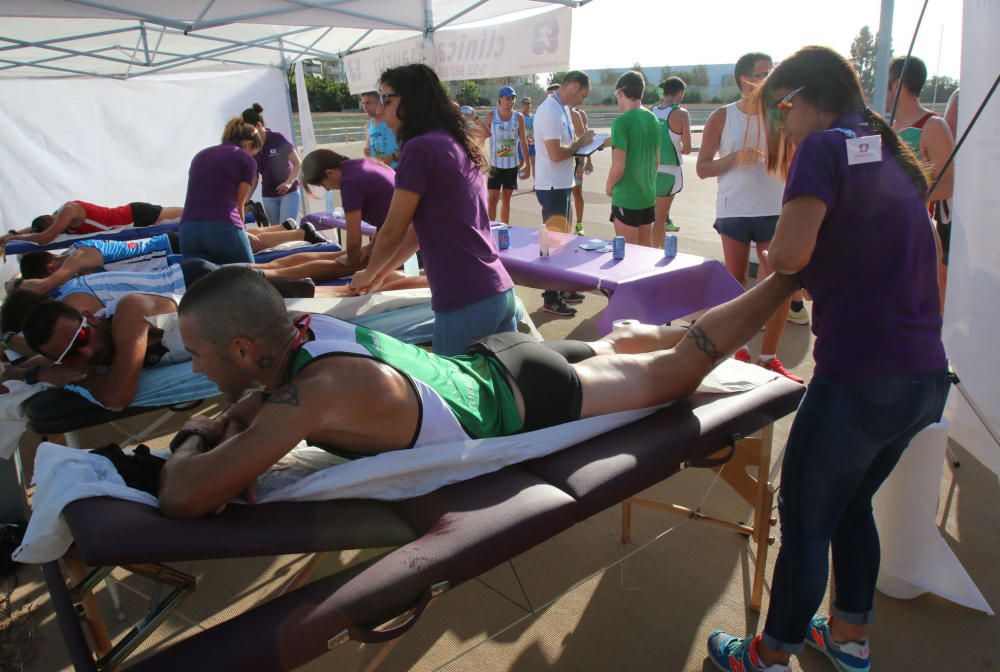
pixel 635 137
pixel 356 392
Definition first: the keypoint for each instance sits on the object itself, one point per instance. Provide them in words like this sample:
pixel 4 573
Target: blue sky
pixel 617 33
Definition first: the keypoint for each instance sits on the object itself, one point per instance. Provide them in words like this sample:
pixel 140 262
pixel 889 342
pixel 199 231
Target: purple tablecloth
pixel 324 220
pixel 645 285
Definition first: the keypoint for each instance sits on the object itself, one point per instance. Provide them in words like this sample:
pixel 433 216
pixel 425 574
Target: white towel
pixel 12 418
pixel 63 475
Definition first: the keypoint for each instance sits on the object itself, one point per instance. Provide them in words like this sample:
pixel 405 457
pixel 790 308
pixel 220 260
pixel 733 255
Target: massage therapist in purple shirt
pixel 219 183
pixel 278 164
pixel 440 188
pixel 854 227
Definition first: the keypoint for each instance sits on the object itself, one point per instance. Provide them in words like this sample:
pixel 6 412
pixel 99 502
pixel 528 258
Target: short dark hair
pixel 744 66
pixel 632 84
pixel 671 86
pixel 913 76
pixel 551 87
pixel 40 322
pixel 36 264
pixel 40 223
pixel 577 77
pixel 16 306
pixel 235 301
pixel 254 114
pixel 370 94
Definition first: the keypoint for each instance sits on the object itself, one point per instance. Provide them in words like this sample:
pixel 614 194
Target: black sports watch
pixel 186 433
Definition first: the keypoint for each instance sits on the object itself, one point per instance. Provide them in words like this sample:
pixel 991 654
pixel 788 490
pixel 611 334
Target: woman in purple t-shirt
pixel 854 228
pixel 278 164
pixel 440 188
pixel 219 183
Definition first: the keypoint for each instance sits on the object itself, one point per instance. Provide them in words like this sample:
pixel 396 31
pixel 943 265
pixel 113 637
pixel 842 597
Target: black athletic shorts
pixel 635 218
pixel 502 178
pixel 145 214
pixel 542 372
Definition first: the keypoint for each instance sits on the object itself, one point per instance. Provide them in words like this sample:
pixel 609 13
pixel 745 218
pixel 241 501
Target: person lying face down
pixel 110 350
pixel 81 217
pixel 356 392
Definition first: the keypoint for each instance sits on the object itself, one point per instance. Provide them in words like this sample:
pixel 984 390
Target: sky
pixel 688 32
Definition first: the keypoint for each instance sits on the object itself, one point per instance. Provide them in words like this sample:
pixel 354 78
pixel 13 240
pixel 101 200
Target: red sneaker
pixel 742 355
pixel 776 366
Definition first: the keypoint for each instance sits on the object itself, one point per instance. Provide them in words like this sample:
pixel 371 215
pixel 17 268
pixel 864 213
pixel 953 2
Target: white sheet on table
pixel 11 414
pixel 63 475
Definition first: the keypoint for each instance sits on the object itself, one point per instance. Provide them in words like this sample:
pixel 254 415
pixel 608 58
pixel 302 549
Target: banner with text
pixel 523 47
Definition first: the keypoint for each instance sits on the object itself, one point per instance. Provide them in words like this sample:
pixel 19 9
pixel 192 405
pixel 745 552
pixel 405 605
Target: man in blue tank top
pixel 504 126
pixel 356 392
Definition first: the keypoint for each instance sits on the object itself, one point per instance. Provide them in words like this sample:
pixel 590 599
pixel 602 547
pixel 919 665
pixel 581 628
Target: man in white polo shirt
pixel 554 154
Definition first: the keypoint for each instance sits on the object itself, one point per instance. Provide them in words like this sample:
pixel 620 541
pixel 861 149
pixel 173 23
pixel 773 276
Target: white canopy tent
pixel 131 38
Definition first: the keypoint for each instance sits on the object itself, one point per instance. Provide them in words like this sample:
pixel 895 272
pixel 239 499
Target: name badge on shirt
pixel 864 150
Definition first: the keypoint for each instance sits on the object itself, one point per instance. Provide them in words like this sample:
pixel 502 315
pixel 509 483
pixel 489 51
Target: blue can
pixel 670 245
pixel 618 247
pixel 503 238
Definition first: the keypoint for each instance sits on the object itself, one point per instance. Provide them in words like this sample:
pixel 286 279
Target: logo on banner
pixel 545 38
pixel 354 69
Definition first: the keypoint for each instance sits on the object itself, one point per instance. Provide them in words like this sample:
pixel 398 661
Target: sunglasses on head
pixel 384 98
pixel 786 103
pixel 80 338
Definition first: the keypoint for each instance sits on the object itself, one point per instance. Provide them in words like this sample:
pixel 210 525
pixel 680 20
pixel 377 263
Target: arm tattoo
pixel 704 343
pixel 265 362
pixel 287 395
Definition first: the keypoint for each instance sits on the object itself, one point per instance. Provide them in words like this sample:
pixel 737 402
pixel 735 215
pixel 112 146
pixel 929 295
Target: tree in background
pixel 325 94
pixel 863 51
pixel 556 77
pixel 468 93
pixel 938 89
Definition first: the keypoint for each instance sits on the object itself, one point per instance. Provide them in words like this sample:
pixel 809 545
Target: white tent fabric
pixel 973 281
pixel 112 142
pixel 128 38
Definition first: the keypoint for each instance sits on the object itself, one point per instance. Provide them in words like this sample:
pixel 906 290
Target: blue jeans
pixel 280 208
pixel 555 214
pixel 218 242
pixel 845 440
pixel 455 330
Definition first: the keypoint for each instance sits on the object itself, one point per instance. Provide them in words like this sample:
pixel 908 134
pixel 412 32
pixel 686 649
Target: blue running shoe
pixel 847 657
pixel 735 654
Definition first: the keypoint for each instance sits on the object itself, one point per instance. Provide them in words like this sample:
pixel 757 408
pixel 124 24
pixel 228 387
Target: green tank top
pixel 471 389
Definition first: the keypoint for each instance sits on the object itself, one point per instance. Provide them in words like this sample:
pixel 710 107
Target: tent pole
pixel 883 52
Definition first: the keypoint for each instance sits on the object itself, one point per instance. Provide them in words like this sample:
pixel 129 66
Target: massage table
pixel 441 539
pixel 327 220
pixel 644 286
pixel 120 233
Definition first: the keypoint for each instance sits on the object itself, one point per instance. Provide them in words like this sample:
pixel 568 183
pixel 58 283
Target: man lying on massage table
pixel 355 392
pixel 43 271
pixel 82 217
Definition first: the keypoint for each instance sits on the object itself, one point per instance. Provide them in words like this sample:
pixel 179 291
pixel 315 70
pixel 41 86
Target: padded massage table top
pixel 453 534
pixel 120 233
pixel 57 411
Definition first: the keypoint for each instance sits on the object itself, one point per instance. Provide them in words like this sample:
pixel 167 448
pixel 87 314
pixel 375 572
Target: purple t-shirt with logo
pixel 367 186
pixel 873 274
pixel 273 163
pixel 451 223
pixel 213 181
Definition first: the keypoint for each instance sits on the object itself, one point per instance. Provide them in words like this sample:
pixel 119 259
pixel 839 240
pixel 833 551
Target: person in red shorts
pixel 76 217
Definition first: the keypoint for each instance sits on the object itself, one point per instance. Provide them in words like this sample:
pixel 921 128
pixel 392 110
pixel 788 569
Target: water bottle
pixel 670 245
pixel 618 247
pixel 543 241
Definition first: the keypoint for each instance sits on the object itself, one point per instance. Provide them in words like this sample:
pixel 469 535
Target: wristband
pixel 31 375
pixel 185 434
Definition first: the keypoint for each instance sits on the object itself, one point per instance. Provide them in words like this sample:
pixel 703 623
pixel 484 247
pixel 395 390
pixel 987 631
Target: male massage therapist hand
pixel 355 392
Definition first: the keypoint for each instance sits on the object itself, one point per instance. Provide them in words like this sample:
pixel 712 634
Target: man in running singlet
pixel 77 217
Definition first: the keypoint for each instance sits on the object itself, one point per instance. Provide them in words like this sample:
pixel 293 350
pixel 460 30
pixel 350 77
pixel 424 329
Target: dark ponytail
pixel 897 148
pixel 254 115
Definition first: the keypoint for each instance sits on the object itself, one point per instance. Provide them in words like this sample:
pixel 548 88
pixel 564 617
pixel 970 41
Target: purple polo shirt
pixel 451 222
pixel 273 163
pixel 213 180
pixel 367 186
pixel 873 274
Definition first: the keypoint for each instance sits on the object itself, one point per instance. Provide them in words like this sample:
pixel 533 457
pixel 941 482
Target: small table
pixel 645 285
